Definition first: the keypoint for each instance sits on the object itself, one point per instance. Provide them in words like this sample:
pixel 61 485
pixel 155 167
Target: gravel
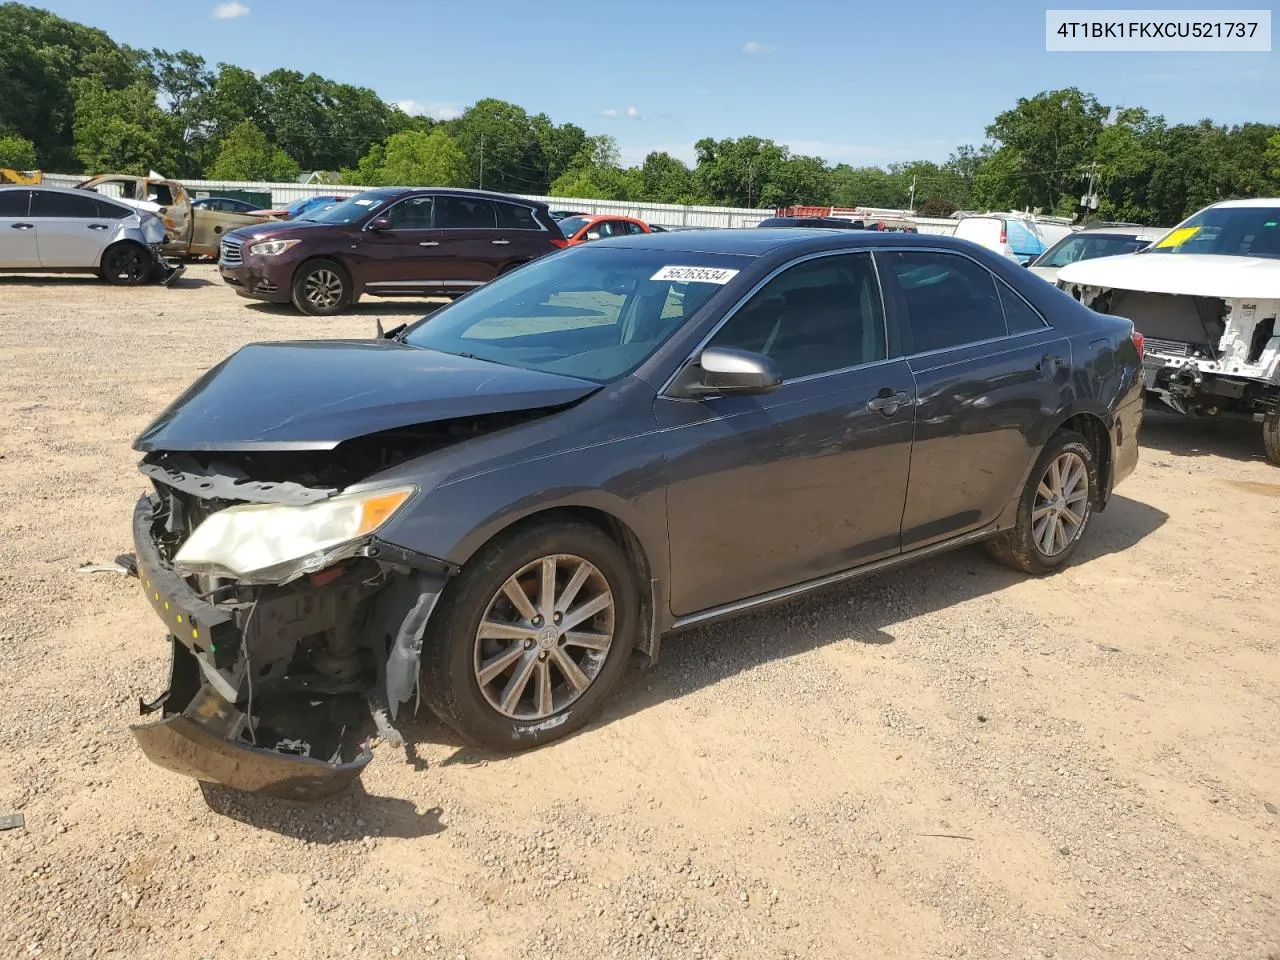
pixel 948 761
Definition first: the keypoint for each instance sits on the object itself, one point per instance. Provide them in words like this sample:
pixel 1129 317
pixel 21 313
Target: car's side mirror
pixel 380 223
pixel 725 371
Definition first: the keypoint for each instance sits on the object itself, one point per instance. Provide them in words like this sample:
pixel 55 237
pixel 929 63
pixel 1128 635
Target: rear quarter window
pixel 512 216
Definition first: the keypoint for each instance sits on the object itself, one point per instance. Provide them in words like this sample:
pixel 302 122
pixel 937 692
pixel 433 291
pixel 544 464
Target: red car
pixel 581 229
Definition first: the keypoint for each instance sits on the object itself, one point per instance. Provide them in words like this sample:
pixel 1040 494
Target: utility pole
pixel 1090 199
pixel 911 203
pixel 751 184
pixel 482 161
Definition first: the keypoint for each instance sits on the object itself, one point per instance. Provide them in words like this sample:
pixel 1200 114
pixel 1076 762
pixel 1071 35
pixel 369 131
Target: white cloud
pixel 230 10
pixel 755 46
pixel 609 113
pixel 633 113
pixel 436 111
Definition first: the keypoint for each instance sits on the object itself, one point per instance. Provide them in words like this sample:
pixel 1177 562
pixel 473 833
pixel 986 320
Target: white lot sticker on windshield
pixel 696 274
pixel 364 203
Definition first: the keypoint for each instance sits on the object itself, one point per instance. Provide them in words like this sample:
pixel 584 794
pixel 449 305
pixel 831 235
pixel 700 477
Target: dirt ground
pixel 946 761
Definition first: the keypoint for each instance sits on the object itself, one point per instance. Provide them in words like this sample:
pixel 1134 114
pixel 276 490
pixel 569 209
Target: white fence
pixel 666 214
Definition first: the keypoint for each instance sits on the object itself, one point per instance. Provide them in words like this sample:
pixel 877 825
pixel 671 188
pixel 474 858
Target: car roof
pixel 757 241
pixel 1121 231
pixel 1250 202
pixel 459 192
pixel 71 191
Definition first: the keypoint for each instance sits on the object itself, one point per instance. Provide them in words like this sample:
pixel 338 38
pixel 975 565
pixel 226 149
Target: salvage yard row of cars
pixel 490 509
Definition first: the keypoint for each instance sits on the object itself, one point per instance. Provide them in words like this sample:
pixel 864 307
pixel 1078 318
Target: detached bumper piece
pixel 275 690
pixel 203 738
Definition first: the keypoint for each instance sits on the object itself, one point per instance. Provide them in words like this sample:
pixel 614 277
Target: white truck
pixel 1205 297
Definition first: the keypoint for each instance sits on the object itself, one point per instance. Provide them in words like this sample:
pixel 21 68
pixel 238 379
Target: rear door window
pixel 46 203
pixel 950 300
pixel 1019 317
pixel 465 213
pixel 14 203
pixel 111 211
pixel 512 216
pixel 636 228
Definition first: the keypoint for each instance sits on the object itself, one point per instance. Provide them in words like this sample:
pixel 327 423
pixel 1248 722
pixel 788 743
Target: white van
pixel 1014 237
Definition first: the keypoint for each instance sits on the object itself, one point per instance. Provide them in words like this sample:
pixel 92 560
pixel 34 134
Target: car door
pixel 519 235
pixel 406 252
pixel 472 250
pixel 17 231
pixel 988 370
pixel 773 490
pixel 70 233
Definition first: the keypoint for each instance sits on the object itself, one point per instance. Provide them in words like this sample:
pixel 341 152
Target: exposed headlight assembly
pixel 271 544
pixel 269 248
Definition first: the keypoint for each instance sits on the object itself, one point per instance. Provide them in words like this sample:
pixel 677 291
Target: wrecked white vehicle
pixel 1205 297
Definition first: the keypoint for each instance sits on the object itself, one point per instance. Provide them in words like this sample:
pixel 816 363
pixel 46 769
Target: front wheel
pixel 1054 509
pixel 126 264
pixel 1271 436
pixel 532 637
pixel 321 288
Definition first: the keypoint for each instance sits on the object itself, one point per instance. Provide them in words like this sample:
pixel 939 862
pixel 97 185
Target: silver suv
pixel 57 230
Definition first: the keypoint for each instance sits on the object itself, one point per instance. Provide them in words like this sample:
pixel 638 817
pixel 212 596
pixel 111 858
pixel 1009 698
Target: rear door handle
pixel 500 243
pixel 428 243
pixel 887 402
pixel 22 226
pixel 97 226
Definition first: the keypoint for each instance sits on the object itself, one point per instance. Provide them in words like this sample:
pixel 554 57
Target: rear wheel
pixel 321 288
pixel 532 636
pixel 126 264
pixel 1054 509
pixel 1271 436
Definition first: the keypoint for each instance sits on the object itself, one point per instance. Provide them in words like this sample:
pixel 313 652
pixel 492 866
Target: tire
pixel 321 288
pixel 1029 545
pixel 1271 436
pixel 126 264
pixel 455 657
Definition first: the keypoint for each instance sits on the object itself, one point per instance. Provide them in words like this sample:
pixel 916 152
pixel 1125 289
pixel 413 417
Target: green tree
pixel 666 179
pixel 121 130
pixel 935 206
pixel 1050 139
pixel 40 56
pixel 17 153
pixel 247 154
pixel 412 158
pixel 502 147
pixel 561 145
pixel 865 187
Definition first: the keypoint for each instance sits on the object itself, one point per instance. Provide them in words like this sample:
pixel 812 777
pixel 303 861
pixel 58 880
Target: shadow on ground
pixel 1201 436
pixel 859 611
pixel 352 815
pixel 396 312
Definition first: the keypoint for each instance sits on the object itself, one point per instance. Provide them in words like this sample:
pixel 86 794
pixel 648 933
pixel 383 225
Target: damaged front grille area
pixel 274 688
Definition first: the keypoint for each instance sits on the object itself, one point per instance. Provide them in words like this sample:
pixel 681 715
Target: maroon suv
pixel 394 241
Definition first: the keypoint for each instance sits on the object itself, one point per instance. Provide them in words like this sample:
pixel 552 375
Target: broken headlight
pixel 268 543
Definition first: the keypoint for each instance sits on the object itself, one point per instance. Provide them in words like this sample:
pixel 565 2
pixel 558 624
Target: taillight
pixel 1004 233
pixel 1140 342
pixel 561 242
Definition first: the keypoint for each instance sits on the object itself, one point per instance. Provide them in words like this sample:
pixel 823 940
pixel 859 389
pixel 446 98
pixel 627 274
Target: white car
pixel 1018 238
pixel 1091 243
pixel 55 230
pixel 1205 297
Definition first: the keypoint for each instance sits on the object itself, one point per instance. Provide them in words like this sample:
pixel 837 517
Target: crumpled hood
pixel 313 395
pixel 1185 274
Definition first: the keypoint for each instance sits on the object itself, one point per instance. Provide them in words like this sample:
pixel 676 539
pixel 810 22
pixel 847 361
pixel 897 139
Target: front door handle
pixel 887 402
pixel 500 243
pixel 22 226
pixel 97 226
pixel 428 243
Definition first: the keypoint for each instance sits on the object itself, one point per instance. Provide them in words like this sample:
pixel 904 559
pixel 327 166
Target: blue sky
pixel 863 83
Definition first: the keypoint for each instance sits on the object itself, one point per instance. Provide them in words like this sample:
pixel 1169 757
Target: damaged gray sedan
pixel 492 509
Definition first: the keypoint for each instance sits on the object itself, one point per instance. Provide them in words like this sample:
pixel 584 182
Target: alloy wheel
pixel 322 289
pixel 1061 504
pixel 127 265
pixel 544 637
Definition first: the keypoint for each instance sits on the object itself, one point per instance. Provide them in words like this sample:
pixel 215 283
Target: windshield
pixel 586 312
pixel 571 225
pixel 361 205
pixel 1080 246
pixel 1226 231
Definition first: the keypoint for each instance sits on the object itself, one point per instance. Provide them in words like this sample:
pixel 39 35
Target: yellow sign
pixel 1179 237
